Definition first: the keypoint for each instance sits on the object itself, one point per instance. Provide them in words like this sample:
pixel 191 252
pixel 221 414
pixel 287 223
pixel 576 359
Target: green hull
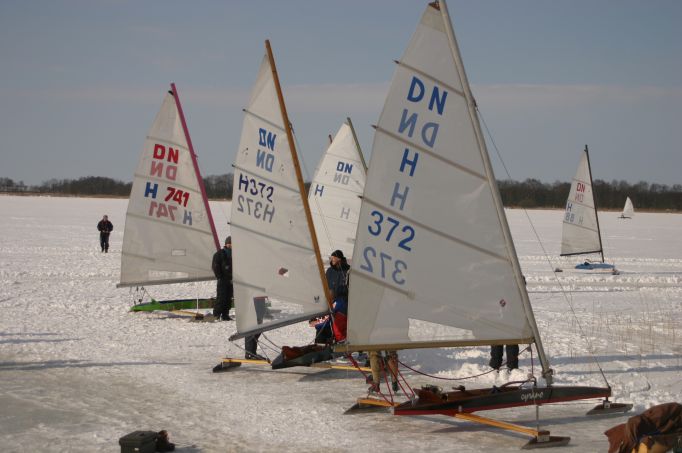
pixel 170 305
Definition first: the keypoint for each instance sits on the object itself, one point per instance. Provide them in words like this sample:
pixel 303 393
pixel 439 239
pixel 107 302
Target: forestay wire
pixel 544 251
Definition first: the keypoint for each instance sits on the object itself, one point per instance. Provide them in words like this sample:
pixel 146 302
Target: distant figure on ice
pixel 222 268
pixel 104 227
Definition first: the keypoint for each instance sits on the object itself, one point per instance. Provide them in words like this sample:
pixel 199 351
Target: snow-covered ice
pixel 78 370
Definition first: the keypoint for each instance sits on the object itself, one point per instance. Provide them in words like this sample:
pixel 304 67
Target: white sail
pixel 335 192
pixel 628 210
pixel 434 264
pixel 169 234
pixel 581 228
pixel 273 252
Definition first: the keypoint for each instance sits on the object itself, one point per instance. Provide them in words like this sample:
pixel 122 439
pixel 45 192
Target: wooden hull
pixel 431 401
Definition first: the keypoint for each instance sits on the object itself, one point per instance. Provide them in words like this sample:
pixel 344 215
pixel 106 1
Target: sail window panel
pixel 264 152
pixel 438 195
pixel 447 283
pixel 429 51
pixel 264 101
pixel 284 272
pixel 430 119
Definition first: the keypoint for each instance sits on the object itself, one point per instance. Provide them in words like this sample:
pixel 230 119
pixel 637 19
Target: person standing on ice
pixel 105 228
pixel 222 268
pixel 512 353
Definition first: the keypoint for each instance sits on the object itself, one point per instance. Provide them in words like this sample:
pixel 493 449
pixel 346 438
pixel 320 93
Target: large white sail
pixel 628 210
pixel 335 192
pixel 169 234
pixel 434 264
pixel 273 251
pixel 581 228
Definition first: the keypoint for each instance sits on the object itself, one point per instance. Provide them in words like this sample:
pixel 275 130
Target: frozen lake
pixel 78 370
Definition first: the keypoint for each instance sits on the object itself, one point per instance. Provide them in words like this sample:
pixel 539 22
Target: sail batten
pixel 169 235
pixel 435 231
pixel 265 120
pixel 432 154
pixel 433 79
pixel 271 181
pixel 274 238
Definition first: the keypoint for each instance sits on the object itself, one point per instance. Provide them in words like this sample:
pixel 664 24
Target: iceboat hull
pixel 170 305
pixel 432 401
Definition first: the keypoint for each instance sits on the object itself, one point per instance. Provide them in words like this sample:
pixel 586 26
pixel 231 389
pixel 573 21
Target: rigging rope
pixel 465 377
pixel 549 261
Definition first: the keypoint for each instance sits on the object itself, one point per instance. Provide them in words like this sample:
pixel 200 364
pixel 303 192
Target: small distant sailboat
pixel 435 265
pixel 581 234
pixel 335 191
pixel 169 234
pixel 628 210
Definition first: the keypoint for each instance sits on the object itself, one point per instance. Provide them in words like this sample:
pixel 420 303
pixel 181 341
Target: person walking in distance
pixel 222 268
pixel 105 228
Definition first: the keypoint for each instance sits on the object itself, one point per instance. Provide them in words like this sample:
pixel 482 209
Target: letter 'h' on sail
pixel 169 233
pixel 274 246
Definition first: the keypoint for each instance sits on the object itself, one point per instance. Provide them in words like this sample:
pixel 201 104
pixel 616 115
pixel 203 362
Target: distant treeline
pixel 530 193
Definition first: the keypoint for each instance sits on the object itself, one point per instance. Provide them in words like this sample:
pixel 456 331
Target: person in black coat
pixel 222 268
pixel 104 227
pixel 337 280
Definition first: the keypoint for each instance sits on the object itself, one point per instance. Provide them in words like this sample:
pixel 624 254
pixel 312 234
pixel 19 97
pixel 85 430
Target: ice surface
pixel 78 370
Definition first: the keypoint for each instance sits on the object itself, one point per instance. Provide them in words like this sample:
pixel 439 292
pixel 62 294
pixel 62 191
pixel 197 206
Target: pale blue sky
pixel 81 80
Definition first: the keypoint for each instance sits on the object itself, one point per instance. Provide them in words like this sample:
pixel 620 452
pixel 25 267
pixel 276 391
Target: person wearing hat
pixel 337 280
pixel 222 268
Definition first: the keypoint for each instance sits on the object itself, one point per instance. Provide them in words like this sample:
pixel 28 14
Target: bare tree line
pixel 530 193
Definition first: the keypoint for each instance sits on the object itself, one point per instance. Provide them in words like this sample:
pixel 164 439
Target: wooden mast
pixel 357 144
pixel 299 176
pixel 594 202
pixel 174 92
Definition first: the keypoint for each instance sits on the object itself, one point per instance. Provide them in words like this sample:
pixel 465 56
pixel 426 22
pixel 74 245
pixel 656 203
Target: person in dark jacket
pixel 105 227
pixel 222 268
pixel 337 280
